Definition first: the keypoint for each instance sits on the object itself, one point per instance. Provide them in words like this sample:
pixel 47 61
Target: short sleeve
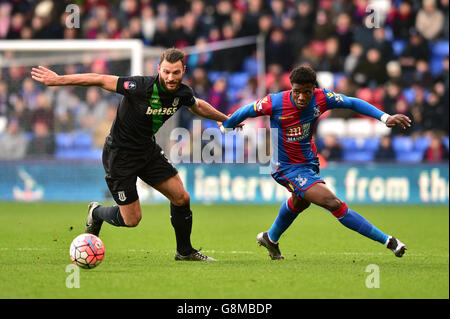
pixel 133 85
pixel 264 106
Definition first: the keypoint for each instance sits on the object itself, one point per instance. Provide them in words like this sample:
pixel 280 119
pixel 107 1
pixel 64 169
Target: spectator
pixel 331 62
pixel 103 127
pixel 354 58
pixel 383 45
pixel 277 50
pixel 385 153
pixel 371 70
pixel 43 111
pixel 332 150
pixel 401 20
pixel 393 92
pixel 21 113
pixel 218 95
pixel 422 76
pixel 344 33
pixel 13 144
pixel 42 144
pixel 436 152
pixel 435 114
pixel 416 49
pixel 430 20
pixel 93 111
pixel 402 107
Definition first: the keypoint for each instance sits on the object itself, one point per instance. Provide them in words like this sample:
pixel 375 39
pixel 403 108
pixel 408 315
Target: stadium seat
pixel 82 140
pixel 358 156
pixel 371 144
pixel 325 79
pixel 237 80
pixel 3 123
pixel 380 129
pixel 63 141
pixel 409 156
pixel 213 76
pixel 436 66
pixel 421 143
pixel 398 46
pixel 250 66
pixel 440 49
pixel 348 143
pixel 445 142
pixel 359 127
pixel 402 144
pixel 409 95
pixel 332 126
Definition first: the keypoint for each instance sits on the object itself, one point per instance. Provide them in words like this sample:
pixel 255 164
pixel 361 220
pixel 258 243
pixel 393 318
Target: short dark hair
pixel 172 55
pixel 303 74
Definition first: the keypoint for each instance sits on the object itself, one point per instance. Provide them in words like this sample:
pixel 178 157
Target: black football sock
pixel 109 214
pixel 181 219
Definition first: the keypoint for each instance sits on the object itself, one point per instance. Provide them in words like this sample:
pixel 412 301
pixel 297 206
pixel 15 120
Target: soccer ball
pixel 87 251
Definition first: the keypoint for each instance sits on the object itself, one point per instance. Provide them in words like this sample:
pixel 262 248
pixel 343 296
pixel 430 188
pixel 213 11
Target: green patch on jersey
pixel 155 104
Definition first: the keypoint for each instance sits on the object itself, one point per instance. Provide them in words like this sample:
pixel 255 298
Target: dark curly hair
pixel 172 55
pixel 303 74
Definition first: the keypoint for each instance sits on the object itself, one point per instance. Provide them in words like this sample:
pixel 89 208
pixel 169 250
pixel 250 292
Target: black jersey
pixel 144 108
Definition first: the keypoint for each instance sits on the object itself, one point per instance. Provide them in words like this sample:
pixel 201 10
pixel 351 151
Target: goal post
pixel 130 49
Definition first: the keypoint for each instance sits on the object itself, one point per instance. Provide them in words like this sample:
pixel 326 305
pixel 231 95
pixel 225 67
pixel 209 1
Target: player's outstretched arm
pixel 206 110
pixel 365 108
pixel 50 78
pixel 239 116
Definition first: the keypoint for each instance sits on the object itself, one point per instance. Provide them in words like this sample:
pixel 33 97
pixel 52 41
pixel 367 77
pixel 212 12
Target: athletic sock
pixel 109 214
pixel 181 219
pixel 286 216
pixel 356 222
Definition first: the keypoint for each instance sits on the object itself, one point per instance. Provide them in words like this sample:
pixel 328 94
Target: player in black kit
pixel 130 150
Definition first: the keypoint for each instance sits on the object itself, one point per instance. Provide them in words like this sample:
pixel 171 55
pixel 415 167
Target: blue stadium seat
pixel 445 142
pixel 402 144
pixel 421 143
pixel 398 46
pixel 436 65
pixel 213 76
pixel 250 66
pixel 371 144
pixel 409 156
pixel 82 140
pixel 348 143
pixel 237 80
pixel 440 48
pixel 63 141
pixel 358 156
pixel 409 95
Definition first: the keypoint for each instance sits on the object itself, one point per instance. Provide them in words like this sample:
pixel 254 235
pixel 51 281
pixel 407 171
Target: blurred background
pixel 393 54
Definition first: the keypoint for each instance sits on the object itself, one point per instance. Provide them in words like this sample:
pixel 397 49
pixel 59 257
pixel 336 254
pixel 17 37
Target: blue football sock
pixel 284 219
pixel 356 222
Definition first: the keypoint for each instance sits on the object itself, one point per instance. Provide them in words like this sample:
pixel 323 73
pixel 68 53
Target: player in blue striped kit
pixel 293 119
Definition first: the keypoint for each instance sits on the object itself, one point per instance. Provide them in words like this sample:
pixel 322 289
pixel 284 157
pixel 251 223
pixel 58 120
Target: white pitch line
pixel 320 253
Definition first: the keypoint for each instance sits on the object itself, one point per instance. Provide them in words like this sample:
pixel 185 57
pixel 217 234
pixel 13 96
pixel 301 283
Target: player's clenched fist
pixel 44 75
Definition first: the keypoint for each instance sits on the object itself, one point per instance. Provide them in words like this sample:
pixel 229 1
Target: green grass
pixel 323 258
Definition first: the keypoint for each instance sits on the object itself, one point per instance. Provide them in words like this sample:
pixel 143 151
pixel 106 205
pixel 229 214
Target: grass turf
pixel 323 258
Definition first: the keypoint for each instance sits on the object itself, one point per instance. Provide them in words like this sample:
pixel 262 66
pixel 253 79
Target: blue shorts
pixel 297 178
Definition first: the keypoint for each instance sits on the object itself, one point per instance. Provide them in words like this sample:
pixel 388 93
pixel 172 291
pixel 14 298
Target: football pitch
pixel 323 258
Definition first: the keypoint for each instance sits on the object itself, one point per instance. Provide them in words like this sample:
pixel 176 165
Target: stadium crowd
pixel 399 63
